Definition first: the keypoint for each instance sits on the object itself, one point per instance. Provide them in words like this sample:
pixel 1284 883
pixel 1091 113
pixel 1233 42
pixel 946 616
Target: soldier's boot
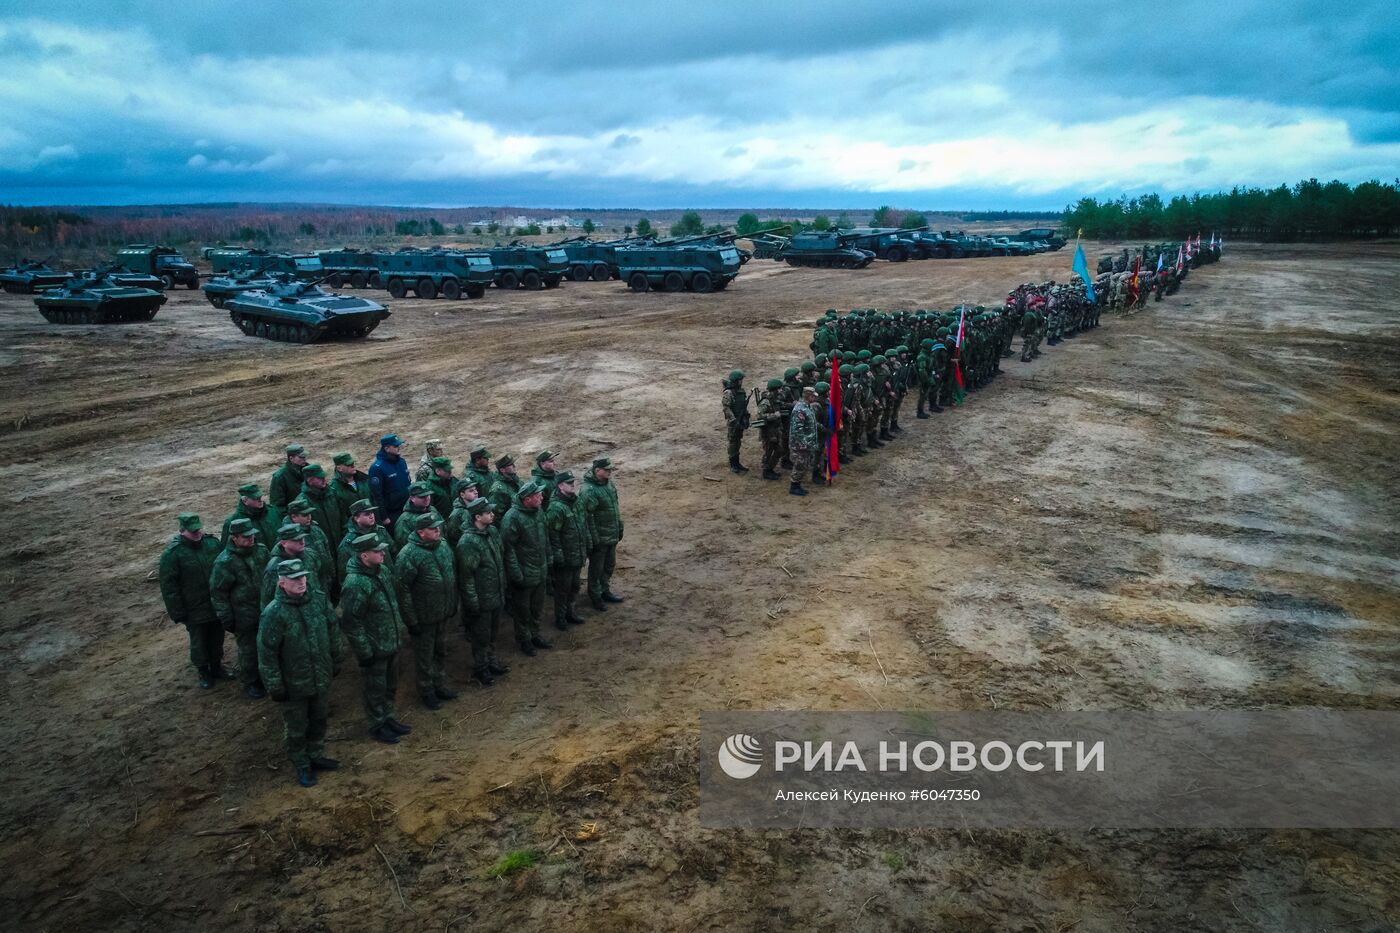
pixel 610 597
pixel 885 434
pixel 795 489
pixel 872 441
pixel 843 458
pixel 921 413
pixel 382 733
pixel 597 603
pixel 1025 356
pixel 785 463
pixel 305 778
pixel 401 728
pixel 527 649
pixel 540 642
pixel 770 474
pixel 573 619
pixel 431 701
pixel 561 621
pixel 445 693
pixel 482 675
pixel 936 408
pixel 496 665
pixel 858 450
pixel 254 691
pixel 736 466
pixel 324 764
pixel 206 678
pixel 223 673
pixel 816 474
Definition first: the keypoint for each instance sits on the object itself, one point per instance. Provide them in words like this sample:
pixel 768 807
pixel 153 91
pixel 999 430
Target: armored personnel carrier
pixel 302 312
pixel 827 249
pixel 678 268
pixel 31 275
pixel 589 260
pixel 227 258
pixel 529 267
pixel 97 298
pixel 357 268
pixel 163 262
pixel 432 272
pixel 221 288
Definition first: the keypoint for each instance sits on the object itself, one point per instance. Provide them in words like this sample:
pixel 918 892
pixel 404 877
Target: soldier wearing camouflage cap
pixel 481 581
pixel 464 493
pixel 568 548
pixel 734 402
pixel 235 584
pixel 432 450
pixel 479 468
pixel 290 545
pixel 602 519
pixel 440 483
pixel 319 555
pixel 545 473
pixel 348 486
pixel 505 486
pixel 792 392
pixel 364 520
pixel 426 578
pixel 525 547
pixel 770 425
pixel 286 482
pixel 325 511
pixel 369 616
pixel 294 662
pixel 253 507
pixel 420 502
pixel 185 567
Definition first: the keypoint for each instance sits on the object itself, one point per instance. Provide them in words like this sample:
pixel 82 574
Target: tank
pixel 30 275
pixel 349 265
pixel 302 312
pixel 827 249
pixel 220 288
pixel 429 273
pixel 678 268
pixel 98 298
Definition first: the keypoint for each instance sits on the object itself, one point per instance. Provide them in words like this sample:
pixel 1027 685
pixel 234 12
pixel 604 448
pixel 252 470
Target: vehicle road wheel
pixel 552 281
pixel 358 280
pixel 897 254
pixel 167 282
pixel 193 285
pixel 701 282
pixel 673 282
pixel 451 290
pixel 507 280
pixel 579 273
pixel 601 273
pixel 638 282
pixel 334 280
pixel 216 301
pixel 306 334
pixel 374 280
pixel 475 289
pixel 532 281
pixel 397 288
pixel 425 289
pixel 263 330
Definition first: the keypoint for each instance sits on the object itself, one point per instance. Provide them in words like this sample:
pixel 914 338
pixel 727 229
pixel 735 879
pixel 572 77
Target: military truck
pixel 701 268
pixel 530 267
pixel 588 260
pixel 431 272
pixel 1047 235
pixel 228 258
pixel 163 262
pixel 350 266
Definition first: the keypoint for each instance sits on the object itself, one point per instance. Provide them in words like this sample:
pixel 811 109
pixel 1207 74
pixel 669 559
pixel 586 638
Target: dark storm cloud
pixel 1026 101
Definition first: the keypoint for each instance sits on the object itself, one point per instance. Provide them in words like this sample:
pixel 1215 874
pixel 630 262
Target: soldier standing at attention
pixel 603 522
pixel 319 556
pixel 348 486
pixel 286 482
pixel 325 511
pixel 440 484
pixel 369 617
pixel 505 487
pixel 363 521
pixel 235 585
pixel 1030 335
pixel 802 440
pixel 770 423
pixel 185 567
pixel 481 581
pixel 420 502
pixel 467 491
pixel 544 474
pixel 388 479
pixel 290 545
pixel 819 412
pixel 525 547
pixel 426 578
pixel 792 391
pixel 735 402
pixel 568 548
pixel 255 509
pixel 425 463
pixel 480 468
pixel 294 660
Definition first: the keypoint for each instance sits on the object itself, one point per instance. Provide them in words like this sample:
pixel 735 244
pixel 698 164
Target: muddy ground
pixel 1193 507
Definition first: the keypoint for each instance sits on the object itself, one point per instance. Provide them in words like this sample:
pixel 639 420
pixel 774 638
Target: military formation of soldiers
pixel 1124 281
pixel 881 357
pixel 319 563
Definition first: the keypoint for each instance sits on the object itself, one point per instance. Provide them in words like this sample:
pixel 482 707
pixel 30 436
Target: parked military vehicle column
pixel 528 267
pixel 432 272
pixel 699 268
pixel 357 268
pixel 589 260
pixel 224 259
pixel 31 275
pixel 302 312
pixel 163 262
pixel 98 298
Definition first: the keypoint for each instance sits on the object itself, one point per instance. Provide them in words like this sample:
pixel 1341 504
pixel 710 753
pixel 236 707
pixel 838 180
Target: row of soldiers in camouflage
pixel 1161 269
pixel 878 368
pixel 293 600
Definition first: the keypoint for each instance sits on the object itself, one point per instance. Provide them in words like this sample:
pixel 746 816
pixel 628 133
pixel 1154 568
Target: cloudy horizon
pixel 958 105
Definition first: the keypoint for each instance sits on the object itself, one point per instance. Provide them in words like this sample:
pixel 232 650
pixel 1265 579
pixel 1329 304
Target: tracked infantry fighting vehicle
pixel 31 275
pixel 302 312
pixel 221 288
pixel 826 249
pixel 432 272
pixel 163 262
pixel 678 268
pixel 97 298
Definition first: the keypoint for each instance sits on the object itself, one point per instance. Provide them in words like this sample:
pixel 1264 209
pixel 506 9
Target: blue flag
pixel 1081 268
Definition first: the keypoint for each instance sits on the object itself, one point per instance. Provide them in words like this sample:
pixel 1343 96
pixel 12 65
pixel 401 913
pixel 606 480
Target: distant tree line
pixel 1309 210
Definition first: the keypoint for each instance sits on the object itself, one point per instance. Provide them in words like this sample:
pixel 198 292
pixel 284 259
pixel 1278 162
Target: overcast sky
pixel 700 104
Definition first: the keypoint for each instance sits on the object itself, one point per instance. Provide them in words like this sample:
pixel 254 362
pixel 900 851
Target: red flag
pixel 833 422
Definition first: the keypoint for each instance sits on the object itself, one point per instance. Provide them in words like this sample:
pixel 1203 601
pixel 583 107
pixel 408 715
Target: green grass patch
pixel 512 862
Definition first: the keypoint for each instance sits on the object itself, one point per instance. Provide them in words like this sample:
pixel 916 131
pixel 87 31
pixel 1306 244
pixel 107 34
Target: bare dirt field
pixel 1194 507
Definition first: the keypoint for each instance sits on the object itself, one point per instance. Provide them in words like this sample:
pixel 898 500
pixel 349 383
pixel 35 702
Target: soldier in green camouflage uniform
pixel 426 578
pixel 369 617
pixel 286 482
pixel 792 391
pixel 770 422
pixel 802 440
pixel 322 560
pixel 480 469
pixel 348 486
pixel 234 589
pixel 466 492
pixel 505 487
pixel 525 547
pixel 185 568
pixel 1030 335
pixel 568 548
pixel 440 483
pixel 364 520
pixel 325 510
pixel 603 520
pixel 294 661
pixel 544 473
pixel 735 403
pixel 424 473
pixel 252 506
pixel 481 581
pixel 420 502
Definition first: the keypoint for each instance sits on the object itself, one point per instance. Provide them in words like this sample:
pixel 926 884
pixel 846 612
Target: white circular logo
pixel 740 756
